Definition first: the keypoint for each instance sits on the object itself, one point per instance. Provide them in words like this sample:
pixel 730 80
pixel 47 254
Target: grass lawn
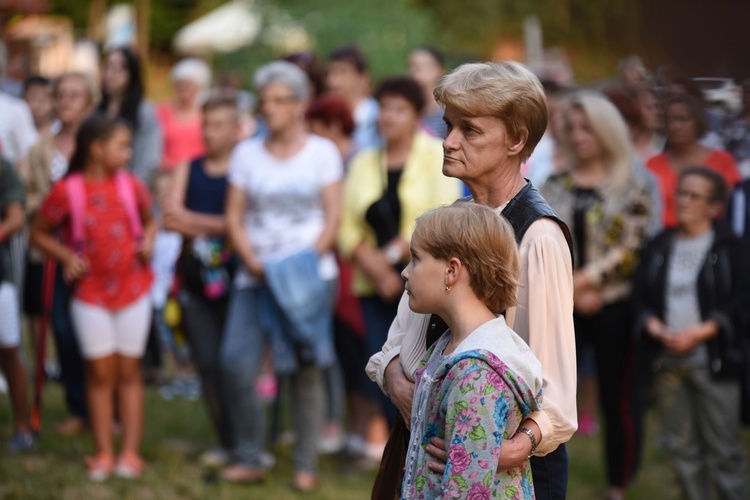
pixel 177 432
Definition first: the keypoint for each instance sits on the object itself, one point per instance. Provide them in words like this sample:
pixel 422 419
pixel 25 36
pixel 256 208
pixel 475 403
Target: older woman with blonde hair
pixel 606 203
pixel 495 115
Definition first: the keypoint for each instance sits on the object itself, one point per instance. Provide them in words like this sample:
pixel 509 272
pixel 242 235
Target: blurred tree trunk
pixel 97 12
pixel 143 38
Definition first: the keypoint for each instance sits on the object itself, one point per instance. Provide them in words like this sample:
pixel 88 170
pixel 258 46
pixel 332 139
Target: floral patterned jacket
pixel 473 400
pixel 616 228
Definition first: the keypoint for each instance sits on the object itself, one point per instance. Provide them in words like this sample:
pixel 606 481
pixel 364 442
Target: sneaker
pixel 267 460
pixel 215 458
pixel 20 442
pixel 332 439
pixel 129 465
pixel 356 445
pixel 71 426
pixel 99 466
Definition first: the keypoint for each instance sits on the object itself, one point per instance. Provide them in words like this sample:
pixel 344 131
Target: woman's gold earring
pixel 447 288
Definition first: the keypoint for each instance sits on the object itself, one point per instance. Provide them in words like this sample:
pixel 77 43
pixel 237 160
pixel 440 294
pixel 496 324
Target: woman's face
pixel 186 92
pixel 397 117
pixel 425 281
pixel 424 69
pixel 476 148
pixel 72 101
pixel 584 145
pixel 115 78
pixel 694 203
pixel 280 107
pixel 681 126
pixel 652 111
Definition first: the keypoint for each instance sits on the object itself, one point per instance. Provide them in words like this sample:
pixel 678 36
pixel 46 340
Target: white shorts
pixel 102 332
pixel 10 322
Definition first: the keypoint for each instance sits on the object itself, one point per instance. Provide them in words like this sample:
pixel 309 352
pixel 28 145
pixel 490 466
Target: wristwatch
pixel 393 254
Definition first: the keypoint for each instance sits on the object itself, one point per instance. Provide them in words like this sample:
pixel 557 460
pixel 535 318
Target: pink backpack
pixel 77 198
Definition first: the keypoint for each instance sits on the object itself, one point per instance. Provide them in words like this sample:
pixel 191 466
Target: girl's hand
pixel 146 250
pixel 74 268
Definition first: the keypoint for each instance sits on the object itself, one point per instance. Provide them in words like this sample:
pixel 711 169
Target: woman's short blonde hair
pixel 482 240
pixel 506 90
pixel 92 89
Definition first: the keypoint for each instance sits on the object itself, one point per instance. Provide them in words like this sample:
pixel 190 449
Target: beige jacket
pixel 36 170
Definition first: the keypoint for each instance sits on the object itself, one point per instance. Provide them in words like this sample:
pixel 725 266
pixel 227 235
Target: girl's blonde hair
pixel 610 129
pixel 482 240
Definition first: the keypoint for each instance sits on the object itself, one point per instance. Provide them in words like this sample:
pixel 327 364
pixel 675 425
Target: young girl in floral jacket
pixel 480 380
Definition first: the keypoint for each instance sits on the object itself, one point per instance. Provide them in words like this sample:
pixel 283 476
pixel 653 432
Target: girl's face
pixel 583 142
pixel 114 152
pixel 397 117
pixel 115 78
pixel 425 278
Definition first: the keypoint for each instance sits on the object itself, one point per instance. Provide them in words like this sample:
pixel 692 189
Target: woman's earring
pixel 447 287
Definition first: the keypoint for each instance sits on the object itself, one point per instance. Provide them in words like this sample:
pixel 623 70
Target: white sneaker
pixel 215 458
pixel 332 439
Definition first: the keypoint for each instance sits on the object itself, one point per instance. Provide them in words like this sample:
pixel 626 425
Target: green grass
pixel 177 432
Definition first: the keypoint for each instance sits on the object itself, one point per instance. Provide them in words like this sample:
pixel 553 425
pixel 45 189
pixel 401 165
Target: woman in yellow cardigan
pixel 386 190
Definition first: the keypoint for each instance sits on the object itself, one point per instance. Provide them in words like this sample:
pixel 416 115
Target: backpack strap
pixel 126 192
pixel 77 201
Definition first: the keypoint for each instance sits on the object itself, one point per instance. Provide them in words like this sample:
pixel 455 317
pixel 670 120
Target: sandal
pixel 99 466
pixel 129 465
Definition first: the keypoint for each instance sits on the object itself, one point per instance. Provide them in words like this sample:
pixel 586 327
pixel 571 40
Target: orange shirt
pixel 117 276
pixel 718 160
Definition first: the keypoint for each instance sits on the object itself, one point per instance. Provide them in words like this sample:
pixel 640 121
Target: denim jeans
pixel 245 339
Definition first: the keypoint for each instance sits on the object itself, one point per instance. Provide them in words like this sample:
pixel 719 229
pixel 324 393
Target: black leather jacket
pixel 723 295
pixel 525 208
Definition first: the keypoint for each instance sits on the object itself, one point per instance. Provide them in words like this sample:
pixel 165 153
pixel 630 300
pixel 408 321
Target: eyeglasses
pixel 689 195
pixel 278 101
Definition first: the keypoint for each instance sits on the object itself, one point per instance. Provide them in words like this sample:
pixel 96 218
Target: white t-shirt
pixel 17 132
pixel 284 200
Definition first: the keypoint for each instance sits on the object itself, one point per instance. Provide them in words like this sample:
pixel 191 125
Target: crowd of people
pixel 302 242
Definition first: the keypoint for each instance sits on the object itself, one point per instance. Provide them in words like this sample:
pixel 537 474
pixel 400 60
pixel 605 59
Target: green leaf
pixel 478 434
pixel 461 405
pixel 488 478
pixel 489 389
pixel 461 482
pixel 510 491
pixel 421 482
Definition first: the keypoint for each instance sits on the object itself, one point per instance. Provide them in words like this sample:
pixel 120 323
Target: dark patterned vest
pixel 526 207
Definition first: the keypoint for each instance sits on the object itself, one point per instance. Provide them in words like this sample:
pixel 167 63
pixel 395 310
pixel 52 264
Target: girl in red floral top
pixel 111 311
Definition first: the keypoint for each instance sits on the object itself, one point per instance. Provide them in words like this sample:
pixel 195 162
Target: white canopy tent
pixel 230 27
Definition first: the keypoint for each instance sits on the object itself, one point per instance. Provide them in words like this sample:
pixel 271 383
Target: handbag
pixel 208 267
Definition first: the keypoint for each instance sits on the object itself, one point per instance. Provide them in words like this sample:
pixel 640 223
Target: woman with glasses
pixel 691 295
